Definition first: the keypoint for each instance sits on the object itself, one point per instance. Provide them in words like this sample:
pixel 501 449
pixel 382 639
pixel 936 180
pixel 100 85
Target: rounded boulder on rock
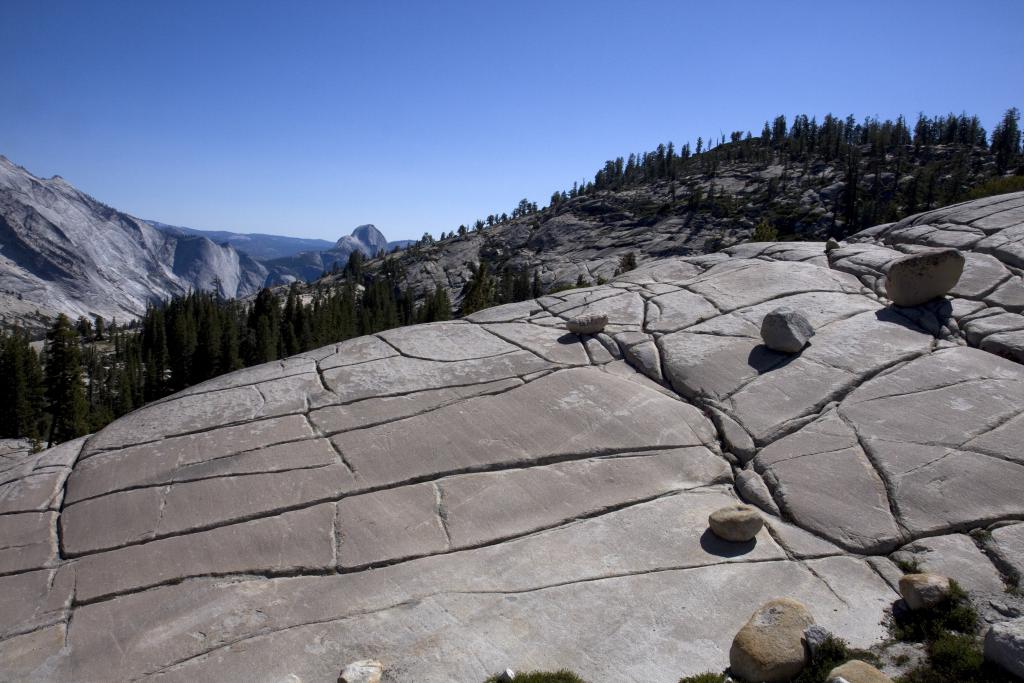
pixel 591 323
pixel 856 671
pixel 1004 646
pixel 738 523
pixel 921 277
pixel 922 591
pixel 786 329
pixel 770 646
pixel 363 671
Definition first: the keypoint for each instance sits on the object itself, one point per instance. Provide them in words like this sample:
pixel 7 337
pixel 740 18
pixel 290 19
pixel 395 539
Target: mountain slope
pixel 61 251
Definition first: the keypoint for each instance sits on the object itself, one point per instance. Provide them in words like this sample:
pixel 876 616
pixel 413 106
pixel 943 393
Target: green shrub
pixel 955 655
pixel 833 652
pixel 708 677
pixel 909 566
pixel 1013 183
pixel 955 613
pixel 560 676
pixel 956 658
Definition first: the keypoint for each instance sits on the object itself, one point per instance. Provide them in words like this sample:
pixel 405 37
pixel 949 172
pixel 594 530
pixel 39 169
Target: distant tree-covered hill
pixel 798 179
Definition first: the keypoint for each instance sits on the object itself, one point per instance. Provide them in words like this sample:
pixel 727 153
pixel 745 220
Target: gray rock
pixel 918 278
pixel 506 676
pixel 737 523
pixel 770 645
pixel 831 245
pixel 590 323
pixel 1004 645
pixel 786 330
pixel 923 591
pixel 814 637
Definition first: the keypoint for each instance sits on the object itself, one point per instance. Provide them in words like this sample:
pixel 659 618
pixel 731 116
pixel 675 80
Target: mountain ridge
pixel 63 251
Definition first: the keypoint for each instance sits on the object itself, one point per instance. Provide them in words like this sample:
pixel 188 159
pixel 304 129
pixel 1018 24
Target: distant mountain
pixel 61 251
pixel 310 265
pixel 259 246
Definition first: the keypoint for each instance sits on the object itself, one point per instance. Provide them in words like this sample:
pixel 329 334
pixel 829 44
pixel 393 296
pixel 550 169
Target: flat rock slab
pixel 571 413
pixel 400 375
pixel 447 341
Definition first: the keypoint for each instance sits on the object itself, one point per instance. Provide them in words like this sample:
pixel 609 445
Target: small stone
pixel 1004 646
pixel 785 329
pixel 363 671
pixel 831 245
pixel 506 676
pixel 591 323
pixel 922 591
pixel 856 671
pixel 770 646
pixel 738 523
pixel 815 636
pixel 917 278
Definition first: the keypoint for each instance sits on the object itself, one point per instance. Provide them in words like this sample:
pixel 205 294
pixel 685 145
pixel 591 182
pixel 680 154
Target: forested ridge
pixel 91 372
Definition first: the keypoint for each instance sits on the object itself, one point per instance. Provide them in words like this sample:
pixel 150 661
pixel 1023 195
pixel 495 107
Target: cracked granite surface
pixel 458 497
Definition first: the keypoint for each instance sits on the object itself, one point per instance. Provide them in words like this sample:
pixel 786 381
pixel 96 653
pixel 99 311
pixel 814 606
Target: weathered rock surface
pixel 459 497
pixel 770 646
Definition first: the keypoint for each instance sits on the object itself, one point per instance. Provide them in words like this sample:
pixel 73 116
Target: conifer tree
pixel 65 393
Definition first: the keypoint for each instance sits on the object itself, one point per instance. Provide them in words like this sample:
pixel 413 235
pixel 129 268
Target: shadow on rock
pixel 713 545
pixel 929 317
pixel 764 360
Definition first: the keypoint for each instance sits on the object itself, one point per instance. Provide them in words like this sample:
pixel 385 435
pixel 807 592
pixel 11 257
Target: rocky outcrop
pixel 61 251
pixel 458 497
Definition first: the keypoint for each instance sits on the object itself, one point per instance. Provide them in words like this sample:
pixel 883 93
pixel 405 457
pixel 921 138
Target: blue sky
pixel 310 118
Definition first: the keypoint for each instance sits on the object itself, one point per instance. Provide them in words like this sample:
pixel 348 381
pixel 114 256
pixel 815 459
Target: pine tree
pixel 764 232
pixel 65 393
pixel 1006 140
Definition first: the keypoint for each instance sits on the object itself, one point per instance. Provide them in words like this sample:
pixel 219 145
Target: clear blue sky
pixel 310 118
